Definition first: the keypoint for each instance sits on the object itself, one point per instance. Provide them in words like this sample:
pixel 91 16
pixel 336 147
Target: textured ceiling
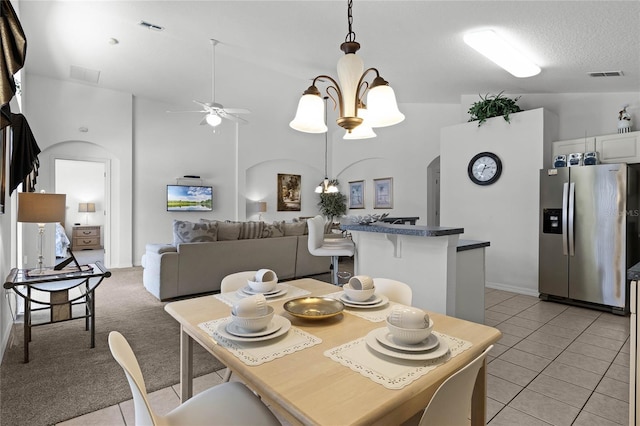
pixel 416 45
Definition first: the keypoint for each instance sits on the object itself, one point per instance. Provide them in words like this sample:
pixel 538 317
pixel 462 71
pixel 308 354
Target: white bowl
pixel 409 336
pixel 254 323
pixel 262 286
pixel 358 295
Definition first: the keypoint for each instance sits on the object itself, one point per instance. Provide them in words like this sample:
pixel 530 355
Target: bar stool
pixel 331 247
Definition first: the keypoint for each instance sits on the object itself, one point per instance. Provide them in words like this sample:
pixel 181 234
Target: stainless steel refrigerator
pixel 588 234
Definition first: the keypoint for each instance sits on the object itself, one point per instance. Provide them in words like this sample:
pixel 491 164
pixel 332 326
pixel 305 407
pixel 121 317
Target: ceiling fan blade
pixel 203 121
pixel 173 112
pixel 237 111
pixel 232 118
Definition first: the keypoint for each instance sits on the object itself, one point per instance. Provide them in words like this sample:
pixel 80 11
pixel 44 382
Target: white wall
pixel 506 212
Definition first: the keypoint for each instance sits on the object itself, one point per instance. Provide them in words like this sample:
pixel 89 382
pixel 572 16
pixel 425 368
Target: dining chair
pixel 332 247
pixel 396 291
pixel 224 404
pixel 451 403
pixel 233 282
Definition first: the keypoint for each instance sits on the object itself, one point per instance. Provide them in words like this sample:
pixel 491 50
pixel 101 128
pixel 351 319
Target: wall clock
pixel 484 168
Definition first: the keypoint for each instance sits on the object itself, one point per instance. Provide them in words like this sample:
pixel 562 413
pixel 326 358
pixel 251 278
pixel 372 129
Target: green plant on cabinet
pixel 493 106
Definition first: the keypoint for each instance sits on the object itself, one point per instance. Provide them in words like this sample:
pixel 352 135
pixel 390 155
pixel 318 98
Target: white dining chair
pixel 225 404
pixel 233 282
pixel 451 403
pixel 396 291
pixel 331 247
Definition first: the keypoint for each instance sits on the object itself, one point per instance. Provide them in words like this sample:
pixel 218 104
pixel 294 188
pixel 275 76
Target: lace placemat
pixel 233 296
pixel 372 314
pixel 256 353
pixel 392 373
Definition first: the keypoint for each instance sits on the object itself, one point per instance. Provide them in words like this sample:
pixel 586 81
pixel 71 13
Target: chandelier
pixel 326 186
pixel 356 117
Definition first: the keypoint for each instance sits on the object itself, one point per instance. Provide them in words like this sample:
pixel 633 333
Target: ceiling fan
pixel 214 111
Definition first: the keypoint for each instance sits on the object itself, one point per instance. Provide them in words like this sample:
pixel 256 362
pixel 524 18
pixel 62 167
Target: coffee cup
pixel 408 317
pixel 361 282
pixel 265 275
pixel 252 306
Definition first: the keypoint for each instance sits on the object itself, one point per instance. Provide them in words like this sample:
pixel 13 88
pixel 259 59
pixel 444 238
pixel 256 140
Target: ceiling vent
pixel 606 74
pixel 151 26
pixel 84 74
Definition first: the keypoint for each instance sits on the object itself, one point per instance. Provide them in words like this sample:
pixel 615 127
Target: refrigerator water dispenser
pixel 551 221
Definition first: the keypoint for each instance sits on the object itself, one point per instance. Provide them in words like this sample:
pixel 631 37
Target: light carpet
pixel 65 378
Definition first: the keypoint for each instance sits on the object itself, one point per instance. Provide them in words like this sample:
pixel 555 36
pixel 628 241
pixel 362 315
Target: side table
pixel 57 284
pixel 86 237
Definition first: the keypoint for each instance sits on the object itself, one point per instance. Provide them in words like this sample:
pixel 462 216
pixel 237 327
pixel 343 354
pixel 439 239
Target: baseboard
pixel 512 289
pixel 7 337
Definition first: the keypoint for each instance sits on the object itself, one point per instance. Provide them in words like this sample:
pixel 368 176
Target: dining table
pixel 323 371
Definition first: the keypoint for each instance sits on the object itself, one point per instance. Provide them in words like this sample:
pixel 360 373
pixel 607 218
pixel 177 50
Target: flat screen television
pixel 189 198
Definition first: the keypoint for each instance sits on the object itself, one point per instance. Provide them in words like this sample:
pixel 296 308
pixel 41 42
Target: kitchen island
pixel 426 258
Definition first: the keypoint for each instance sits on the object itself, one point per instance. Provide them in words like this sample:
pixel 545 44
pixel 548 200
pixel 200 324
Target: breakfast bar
pixel 426 258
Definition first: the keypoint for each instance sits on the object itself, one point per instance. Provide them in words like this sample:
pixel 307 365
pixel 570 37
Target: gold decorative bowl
pixel 314 307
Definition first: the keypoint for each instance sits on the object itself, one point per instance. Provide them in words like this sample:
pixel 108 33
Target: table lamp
pixel 87 208
pixel 41 208
pixel 262 208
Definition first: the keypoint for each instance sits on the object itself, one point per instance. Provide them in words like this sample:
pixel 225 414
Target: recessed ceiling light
pixel 502 53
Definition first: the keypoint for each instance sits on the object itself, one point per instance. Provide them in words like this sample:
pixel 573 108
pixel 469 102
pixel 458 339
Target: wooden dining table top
pixel 308 387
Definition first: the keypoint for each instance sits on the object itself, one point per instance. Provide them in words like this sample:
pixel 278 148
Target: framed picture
pixel 289 192
pixel 356 194
pixel 383 193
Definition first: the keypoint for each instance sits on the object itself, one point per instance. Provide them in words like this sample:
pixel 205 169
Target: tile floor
pixel 554 365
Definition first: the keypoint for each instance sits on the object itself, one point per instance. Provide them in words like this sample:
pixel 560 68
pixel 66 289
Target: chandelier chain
pixel 351 36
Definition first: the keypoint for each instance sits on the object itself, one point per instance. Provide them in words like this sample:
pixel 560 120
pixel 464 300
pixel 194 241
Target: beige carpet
pixel 65 378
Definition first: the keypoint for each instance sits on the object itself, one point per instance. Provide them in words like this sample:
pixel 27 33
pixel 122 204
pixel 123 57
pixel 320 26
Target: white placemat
pixel 392 373
pixel 256 353
pixel 232 297
pixel 374 314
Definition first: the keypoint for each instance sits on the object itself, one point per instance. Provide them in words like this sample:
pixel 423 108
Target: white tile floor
pixel 554 365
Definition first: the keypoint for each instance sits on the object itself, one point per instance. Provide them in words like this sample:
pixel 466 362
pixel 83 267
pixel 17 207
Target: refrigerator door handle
pixel 572 197
pixel 565 201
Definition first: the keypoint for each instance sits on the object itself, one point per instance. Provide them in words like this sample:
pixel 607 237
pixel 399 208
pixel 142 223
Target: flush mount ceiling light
pixel 381 100
pixel 503 53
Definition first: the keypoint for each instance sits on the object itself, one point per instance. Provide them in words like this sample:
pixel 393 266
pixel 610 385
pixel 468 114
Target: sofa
pixel 204 252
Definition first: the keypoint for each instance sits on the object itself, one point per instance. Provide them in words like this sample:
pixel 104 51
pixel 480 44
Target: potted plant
pixel 493 106
pixel 332 204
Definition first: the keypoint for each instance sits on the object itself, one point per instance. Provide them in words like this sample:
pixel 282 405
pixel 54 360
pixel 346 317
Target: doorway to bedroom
pixel 85 183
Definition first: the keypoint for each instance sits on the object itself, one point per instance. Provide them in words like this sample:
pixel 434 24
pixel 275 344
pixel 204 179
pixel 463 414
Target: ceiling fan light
pixel 363 131
pixel 382 107
pixel 319 189
pixel 500 51
pixel 213 120
pixel 310 115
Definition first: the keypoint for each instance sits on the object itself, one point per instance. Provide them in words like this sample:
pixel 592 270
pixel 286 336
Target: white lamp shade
pixel 382 107
pixel 319 189
pixel 363 131
pixel 332 189
pixel 213 120
pixel 310 115
pixel 350 69
pixel 36 207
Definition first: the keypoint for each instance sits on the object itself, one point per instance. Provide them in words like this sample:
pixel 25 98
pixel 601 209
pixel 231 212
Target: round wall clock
pixel 484 168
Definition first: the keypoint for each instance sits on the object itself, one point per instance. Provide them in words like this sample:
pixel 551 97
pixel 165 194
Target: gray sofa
pixel 189 268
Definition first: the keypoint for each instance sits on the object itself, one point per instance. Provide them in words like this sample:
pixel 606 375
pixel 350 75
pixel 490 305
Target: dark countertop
pixel 417 230
pixel 633 273
pixel 473 244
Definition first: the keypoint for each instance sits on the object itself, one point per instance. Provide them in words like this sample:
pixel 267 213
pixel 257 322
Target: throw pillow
pixel 251 230
pixel 295 229
pixel 190 232
pixel 274 230
pixel 229 231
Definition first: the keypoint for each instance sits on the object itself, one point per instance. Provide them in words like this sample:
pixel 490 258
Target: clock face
pixel 484 168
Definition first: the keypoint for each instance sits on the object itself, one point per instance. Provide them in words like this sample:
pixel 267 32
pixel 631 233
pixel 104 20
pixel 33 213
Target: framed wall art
pixel 383 193
pixel 356 194
pixel 289 192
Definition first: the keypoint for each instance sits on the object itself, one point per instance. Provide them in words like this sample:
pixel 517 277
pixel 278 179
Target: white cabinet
pixel 619 148
pixel 573 145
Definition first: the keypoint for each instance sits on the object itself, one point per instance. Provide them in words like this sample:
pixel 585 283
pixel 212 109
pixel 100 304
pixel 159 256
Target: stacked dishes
pixel 359 293
pixel 253 320
pixel 407 336
pixel 265 282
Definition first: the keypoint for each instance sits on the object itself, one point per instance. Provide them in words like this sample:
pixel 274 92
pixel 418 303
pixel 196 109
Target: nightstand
pixel 86 237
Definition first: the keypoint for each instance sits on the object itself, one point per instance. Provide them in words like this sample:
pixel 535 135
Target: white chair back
pixel 451 404
pixel 123 354
pixel 396 291
pixel 316 233
pixel 233 282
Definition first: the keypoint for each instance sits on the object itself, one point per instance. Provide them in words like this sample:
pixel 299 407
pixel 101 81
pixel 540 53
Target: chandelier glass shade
pixel 348 95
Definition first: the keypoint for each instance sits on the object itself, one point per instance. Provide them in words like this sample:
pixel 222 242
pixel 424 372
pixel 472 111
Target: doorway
pixel 433 193
pixel 86 185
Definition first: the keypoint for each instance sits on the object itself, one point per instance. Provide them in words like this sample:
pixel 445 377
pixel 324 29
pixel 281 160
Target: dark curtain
pixel 24 158
pixel 12 56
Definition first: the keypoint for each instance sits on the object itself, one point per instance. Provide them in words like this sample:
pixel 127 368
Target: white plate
pixel 246 291
pixel 383 301
pixel 386 338
pixel 372 342
pixel 278 321
pixel 236 330
pixel 370 301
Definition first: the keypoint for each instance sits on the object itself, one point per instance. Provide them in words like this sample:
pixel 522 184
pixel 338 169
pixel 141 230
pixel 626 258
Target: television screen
pixel 184 198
